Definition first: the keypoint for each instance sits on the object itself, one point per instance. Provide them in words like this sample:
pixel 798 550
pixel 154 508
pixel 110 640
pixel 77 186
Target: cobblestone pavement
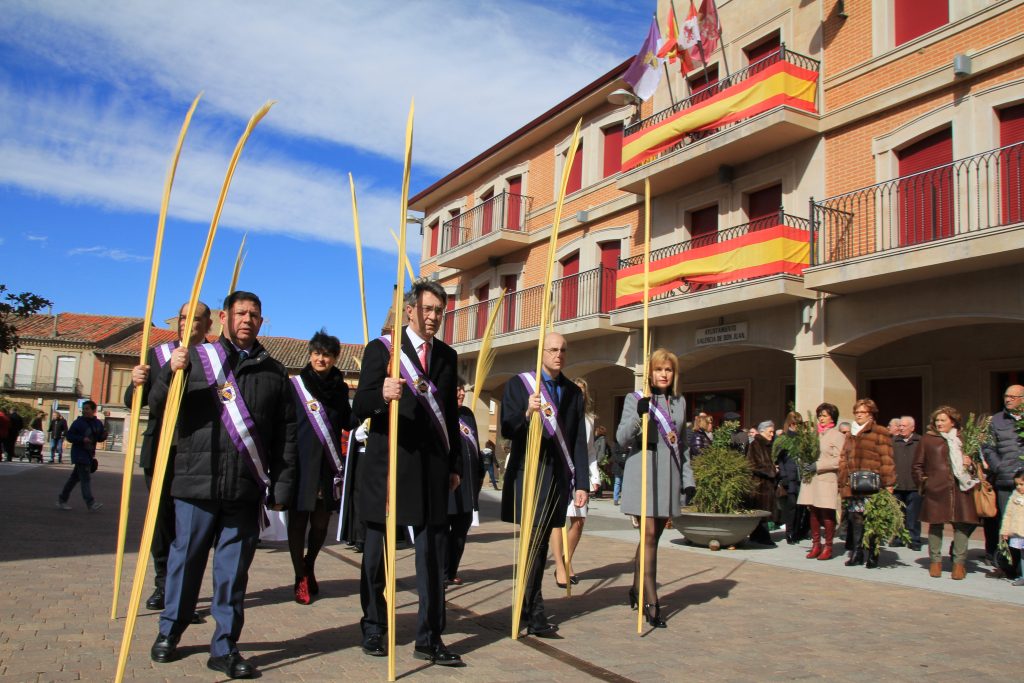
pixel 744 615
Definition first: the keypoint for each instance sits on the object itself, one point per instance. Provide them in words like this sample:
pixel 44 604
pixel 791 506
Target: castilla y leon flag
pixel 709 26
pixel 670 46
pixel 643 74
pixel 690 36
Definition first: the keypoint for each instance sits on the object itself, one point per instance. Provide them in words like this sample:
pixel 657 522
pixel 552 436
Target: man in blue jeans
pixel 84 434
pixel 58 430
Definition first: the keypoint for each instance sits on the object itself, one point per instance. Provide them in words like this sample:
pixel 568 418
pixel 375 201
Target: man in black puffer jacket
pixel 1003 457
pixel 236 451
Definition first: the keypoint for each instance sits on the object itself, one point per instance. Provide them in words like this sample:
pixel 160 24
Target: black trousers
pixel 458 529
pixel 163 532
pixel 430 543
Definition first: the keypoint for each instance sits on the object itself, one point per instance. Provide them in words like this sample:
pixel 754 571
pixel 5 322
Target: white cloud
pixel 344 74
pixel 113 254
pixel 36 238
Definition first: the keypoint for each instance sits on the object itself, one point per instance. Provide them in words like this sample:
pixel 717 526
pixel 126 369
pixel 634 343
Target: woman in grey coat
pixel 667 466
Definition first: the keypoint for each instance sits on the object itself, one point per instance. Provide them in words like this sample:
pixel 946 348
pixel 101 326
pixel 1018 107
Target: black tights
pixel 317 521
pixel 655 527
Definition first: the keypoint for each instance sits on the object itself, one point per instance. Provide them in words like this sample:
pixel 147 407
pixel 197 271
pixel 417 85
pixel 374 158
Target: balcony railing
pixel 732 81
pixel 501 212
pixel 575 296
pixel 717 237
pixel 70 387
pixel 974 193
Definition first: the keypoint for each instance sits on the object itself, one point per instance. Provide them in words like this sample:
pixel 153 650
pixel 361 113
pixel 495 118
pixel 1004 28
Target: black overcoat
pixel 553 485
pixel 314 469
pixel 424 464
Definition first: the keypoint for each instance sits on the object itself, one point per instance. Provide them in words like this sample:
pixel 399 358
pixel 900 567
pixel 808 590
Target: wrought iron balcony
pixel 967 196
pixel 575 296
pixel 698 117
pixel 724 239
pixel 501 212
pixel 68 387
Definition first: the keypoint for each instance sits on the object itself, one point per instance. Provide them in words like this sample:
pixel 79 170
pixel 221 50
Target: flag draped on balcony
pixel 782 83
pixel 643 74
pixel 774 250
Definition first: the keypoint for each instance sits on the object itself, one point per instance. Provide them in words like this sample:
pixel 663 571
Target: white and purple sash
pixel 666 427
pixel 469 437
pixel 424 391
pixel 549 417
pixel 163 352
pixel 235 415
pixel 322 427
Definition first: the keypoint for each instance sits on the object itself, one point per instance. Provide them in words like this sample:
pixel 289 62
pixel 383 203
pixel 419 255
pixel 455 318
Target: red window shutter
pixel 764 203
pixel 913 18
pixel 704 226
pixel 481 310
pixel 926 199
pixel 488 212
pixel 576 172
pixel 1011 162
pixel 435 229
pixel 509 304
pixel 762 49
pixel 515 203
pixel 611 252
pixel 700 86
pixel 449 321
pixel 455 229
pixel 570 286
pixel 612 150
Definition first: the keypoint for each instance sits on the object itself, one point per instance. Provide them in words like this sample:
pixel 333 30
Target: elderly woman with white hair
pixel 765 475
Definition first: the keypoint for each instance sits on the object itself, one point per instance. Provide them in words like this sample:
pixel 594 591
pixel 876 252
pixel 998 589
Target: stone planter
pixel 704 527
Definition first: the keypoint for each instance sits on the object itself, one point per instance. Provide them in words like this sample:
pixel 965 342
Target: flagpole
pixel 173 405
pixel 675 18
pixel 136 410
pixel 668 82
pixel 721 41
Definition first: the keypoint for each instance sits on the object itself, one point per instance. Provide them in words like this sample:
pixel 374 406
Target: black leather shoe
pixel 232 665
pixel 165 649
pixel 373 645
pixel 437 654
pixel 542 628
pixel 156 600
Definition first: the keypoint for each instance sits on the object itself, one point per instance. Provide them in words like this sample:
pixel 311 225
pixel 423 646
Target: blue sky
pixel 94 94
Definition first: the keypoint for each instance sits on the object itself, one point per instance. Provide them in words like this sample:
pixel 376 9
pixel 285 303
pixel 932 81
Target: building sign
pixel 721 334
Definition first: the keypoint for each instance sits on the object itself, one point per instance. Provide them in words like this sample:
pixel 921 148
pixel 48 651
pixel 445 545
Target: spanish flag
pixel 771 251
pixel 782 83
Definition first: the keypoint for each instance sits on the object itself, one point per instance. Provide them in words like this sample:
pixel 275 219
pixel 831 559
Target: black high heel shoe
pixel 557 582
pixel 653 615
pixel 632 598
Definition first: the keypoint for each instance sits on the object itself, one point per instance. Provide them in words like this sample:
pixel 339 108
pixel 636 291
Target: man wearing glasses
pixel 429 466
pixel 562 471
pixel 1002 456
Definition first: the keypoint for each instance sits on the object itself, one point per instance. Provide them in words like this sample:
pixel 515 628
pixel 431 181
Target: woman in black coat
pixel 464 499
pixel 323 411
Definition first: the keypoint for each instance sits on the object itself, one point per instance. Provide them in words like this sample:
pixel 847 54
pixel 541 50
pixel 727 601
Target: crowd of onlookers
pixel 931 474
pixel 30 439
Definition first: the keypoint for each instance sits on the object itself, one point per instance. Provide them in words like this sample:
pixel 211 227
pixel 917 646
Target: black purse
pixel 864 482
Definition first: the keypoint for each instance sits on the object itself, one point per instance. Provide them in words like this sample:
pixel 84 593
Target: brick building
pixel 839 191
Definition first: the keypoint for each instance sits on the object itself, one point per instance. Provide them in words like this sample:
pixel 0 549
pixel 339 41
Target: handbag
pixel 985 499
pixel 864 482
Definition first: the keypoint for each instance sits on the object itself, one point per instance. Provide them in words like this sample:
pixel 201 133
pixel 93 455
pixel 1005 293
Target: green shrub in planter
pixel 723 475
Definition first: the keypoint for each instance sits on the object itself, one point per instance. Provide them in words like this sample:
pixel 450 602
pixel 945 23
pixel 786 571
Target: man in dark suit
pixel 158 356
pixel 563 468
pixel 429 466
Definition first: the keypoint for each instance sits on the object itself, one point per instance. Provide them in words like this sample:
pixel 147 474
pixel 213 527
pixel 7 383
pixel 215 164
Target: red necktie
pixel 424 355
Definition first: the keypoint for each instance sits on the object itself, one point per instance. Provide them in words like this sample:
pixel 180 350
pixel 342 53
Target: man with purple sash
pixel 157 357
pixel 562 473
pixel 236 451
pixel 321 404
pixel 429 466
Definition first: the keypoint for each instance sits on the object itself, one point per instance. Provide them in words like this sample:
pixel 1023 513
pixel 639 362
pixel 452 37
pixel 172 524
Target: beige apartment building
pixel 839 191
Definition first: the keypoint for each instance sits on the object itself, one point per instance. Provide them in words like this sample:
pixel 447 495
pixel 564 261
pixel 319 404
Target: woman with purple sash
pixel 323 410
pixel 667 466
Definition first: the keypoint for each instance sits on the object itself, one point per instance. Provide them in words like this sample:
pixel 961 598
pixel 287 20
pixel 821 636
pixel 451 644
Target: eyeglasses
pixel 427 310
pixel 1013 395
pixel 557 351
